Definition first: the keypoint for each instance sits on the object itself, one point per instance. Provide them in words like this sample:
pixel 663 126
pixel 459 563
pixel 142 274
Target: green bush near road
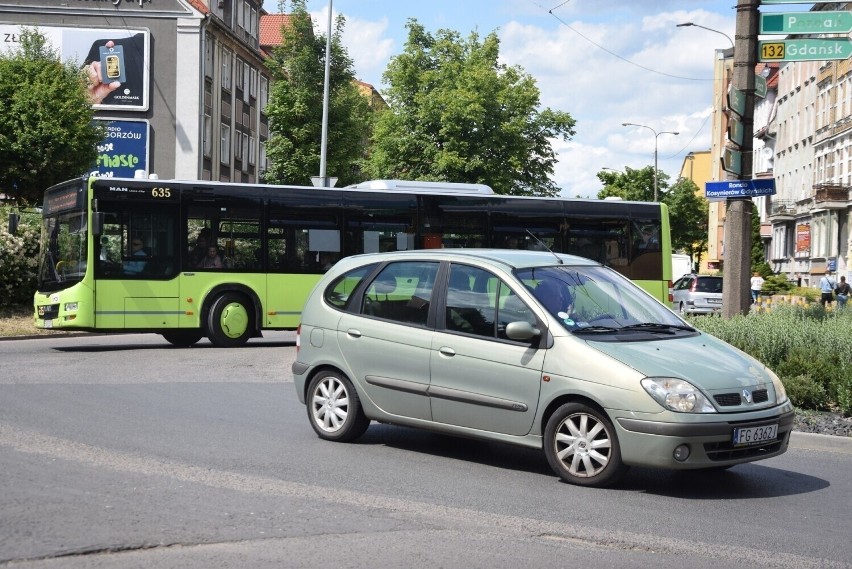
pixel 18 258
pixel 808 347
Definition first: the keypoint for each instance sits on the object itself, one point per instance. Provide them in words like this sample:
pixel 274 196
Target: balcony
pixel 782 209
pixel 829 196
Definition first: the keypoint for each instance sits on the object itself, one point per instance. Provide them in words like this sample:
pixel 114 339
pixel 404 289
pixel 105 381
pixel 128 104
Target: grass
pixel 18 321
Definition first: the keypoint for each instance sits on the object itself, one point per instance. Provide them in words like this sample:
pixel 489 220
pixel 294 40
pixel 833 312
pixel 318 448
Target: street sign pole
pixel 737 262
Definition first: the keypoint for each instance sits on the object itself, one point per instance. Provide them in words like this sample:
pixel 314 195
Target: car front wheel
pixel 334 408
pixel 581 446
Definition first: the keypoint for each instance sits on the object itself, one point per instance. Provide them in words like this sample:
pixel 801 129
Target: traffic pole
pixel 736 269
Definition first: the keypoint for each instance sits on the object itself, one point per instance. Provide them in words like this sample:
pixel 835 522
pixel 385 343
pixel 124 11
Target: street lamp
pixel 688 24
pixel 656 137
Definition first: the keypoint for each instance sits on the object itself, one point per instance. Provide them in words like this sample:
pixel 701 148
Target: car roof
pixel 510 258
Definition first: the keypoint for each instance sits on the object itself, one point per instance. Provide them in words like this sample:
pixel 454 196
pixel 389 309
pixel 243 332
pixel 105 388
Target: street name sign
pixel 760 86
pixel 736 101
pixel 736 131
pixel 806 23
pixel 804 49
pixel 732 161
pixel 740 188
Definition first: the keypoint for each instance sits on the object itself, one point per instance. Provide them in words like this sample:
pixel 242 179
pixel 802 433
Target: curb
pixel 815 441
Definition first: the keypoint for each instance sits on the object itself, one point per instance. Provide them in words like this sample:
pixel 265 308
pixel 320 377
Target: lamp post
pixel 691 24
pixel 656 138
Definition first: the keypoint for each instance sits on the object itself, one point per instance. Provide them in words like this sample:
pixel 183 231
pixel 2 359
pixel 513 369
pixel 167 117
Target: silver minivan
pixel 530 348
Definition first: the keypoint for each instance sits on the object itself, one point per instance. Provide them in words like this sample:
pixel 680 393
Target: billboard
pixel 116 61
pixel 124 150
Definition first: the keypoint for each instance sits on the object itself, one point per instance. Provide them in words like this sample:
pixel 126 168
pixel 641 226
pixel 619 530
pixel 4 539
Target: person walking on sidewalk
pixel 756 286
pixel 826 288
pixel 842 290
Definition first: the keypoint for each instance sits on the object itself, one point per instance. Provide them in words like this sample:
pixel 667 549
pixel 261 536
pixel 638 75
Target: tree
pixel 631 185
pixel 688 215
pixel 458 115
pixel 47 133
pixel 295 106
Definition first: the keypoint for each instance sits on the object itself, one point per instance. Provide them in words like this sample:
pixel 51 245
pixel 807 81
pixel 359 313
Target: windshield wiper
pixel 596 329
pixel 657 327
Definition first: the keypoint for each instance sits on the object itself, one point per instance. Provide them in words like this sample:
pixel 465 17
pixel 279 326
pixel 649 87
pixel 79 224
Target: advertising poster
pixel 115 61
pixel 124 150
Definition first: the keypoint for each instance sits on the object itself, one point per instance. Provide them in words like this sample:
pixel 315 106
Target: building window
pixel 208 135
pixel 253 82
pixel 245 151
pixel 251 155
pixel 209 45
pixel 225 145
pixel 226 68
pixel 264 93
pixel 239 73
pixel 262 156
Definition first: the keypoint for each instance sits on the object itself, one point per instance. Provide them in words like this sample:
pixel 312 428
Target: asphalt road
pixel 122 451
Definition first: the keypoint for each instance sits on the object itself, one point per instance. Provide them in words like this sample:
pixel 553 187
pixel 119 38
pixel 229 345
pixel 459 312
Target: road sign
pixel 760 86
pixel 732 161
pixel 740 188
pixel 804 49
pixel 806 23
pixel 735 131
pixel 736 101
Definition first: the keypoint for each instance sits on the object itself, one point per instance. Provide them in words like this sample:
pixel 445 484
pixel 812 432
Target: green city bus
pixel 117 254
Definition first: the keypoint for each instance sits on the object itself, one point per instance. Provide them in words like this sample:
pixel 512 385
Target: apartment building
pixel 194 86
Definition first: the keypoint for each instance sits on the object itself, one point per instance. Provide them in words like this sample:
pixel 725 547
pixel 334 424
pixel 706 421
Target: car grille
pixel 734 399
pixel 727 451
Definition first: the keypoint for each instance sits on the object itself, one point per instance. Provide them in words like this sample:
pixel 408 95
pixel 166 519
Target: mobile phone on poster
pixel 112 64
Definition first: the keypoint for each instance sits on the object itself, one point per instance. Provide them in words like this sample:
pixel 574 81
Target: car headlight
pixel 780 392
pixel 677 395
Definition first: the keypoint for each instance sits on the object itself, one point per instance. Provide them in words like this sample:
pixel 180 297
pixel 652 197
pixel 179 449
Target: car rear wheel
pixel 682 308
pixel 334 408
pixel 581 446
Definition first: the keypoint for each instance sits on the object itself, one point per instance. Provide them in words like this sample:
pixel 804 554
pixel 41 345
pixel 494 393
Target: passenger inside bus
pixel 136 265
pixel 212 260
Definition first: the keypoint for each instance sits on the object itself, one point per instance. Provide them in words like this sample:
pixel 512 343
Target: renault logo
pixel 747 396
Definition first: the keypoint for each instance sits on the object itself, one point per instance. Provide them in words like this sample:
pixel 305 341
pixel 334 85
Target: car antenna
pixel 540 242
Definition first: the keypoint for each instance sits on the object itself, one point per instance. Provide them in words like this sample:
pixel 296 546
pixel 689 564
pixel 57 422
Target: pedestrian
pixel 842 290
pixel 756 286
pixel 826 288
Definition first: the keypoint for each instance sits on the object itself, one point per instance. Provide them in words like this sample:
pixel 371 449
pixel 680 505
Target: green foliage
pixel 776 284
pixel 631 185
pixel 687 217
pixel 295 107
pixel 803 345
pixel 18 258
pixel 806 393
pixel 457 114
pixel 47 133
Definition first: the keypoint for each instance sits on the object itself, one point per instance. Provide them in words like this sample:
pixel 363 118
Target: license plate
pixel 48 323
pixel 755 435
pixel 714 301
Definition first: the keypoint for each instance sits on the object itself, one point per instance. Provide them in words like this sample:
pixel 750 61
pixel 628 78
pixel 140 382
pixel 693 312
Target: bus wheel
pixel 230 320
pixel 183 338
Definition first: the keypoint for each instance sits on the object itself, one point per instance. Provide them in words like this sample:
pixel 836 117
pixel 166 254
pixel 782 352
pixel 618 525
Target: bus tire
pixel 230 321
pixel 182 338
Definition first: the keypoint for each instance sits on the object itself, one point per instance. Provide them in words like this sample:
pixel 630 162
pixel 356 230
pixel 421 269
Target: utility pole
pixel 737 264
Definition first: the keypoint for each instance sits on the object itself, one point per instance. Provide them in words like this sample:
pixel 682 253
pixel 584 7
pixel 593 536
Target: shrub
pixel 804 392
pixel 777 284
pixel 18 260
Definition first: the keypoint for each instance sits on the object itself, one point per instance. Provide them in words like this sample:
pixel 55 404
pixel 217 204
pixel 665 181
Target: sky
pixel 606 62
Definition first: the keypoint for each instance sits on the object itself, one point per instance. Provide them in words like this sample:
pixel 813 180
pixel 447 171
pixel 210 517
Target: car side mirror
pixel 521 331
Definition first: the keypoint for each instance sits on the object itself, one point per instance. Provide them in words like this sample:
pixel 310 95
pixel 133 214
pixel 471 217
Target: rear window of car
pixel 709 284
pixel 340 291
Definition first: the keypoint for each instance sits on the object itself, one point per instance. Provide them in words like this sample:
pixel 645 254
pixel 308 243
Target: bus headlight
pixel 677 395
pixel 70 307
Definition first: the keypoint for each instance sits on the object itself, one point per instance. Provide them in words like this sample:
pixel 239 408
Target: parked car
pixel 697 294
pixel 535 349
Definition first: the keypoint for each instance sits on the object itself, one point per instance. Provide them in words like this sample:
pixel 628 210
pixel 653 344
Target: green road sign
pixel 735 131
pixel 732 161
pixel 760 86
pixel 804 49
pixel 736 101
pixel 806 23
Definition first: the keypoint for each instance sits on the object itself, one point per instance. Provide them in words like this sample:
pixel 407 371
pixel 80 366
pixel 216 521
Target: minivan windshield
pixel 598 300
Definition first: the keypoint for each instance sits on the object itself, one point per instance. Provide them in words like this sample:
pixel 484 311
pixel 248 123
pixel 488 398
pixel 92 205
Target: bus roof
pixel 414 185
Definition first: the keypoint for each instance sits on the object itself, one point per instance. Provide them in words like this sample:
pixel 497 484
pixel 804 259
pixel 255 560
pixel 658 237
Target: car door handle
pixel 354 333
pixel 447 351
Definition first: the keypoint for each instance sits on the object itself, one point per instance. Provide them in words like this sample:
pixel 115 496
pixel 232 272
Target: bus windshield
pixel 63 260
